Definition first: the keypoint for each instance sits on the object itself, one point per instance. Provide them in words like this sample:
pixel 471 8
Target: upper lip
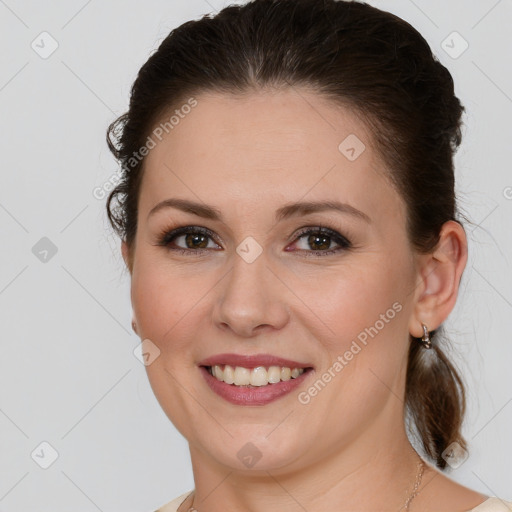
pixel 252 361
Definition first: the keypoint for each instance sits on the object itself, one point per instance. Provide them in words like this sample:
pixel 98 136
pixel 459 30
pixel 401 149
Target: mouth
pixel 253 383
pixel 254 377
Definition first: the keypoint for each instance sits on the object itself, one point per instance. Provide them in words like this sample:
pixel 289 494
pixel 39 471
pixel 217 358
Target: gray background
pixel 68 374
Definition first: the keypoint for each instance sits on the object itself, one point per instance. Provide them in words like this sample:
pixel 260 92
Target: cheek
pixel 167 305
pixel 355 301
pixel 365 342
pixel 165 301
pixel 336 304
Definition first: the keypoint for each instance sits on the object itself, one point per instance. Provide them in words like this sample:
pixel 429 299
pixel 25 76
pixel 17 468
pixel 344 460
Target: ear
pixel 125 251
pixel 439 278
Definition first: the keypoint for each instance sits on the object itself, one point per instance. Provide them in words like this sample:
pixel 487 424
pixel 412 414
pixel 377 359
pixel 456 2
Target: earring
pixel 425 340
pixel 134 327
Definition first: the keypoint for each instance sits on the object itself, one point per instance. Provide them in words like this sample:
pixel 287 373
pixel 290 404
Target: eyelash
pixel 166 237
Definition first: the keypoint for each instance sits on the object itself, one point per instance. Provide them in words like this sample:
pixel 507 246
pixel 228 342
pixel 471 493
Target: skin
pixel 346 450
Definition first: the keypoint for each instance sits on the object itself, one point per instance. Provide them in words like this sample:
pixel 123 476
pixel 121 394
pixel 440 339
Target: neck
pixel 376 471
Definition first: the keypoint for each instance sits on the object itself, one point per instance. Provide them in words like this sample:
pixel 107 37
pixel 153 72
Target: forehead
pixel 271 126
pixel 277 145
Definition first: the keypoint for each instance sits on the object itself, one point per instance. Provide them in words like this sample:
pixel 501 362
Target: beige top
pixel 492 504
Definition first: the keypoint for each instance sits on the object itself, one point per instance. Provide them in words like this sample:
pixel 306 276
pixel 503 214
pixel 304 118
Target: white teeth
pixel 229 375
pixel 286 373
pixel 259 376
pixel 217 372
pixel 274 374
pixel 242 376
pixel 295 373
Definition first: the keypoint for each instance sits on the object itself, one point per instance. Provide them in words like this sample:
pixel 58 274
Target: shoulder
pixel 173 505
pixel 442 494
pixel 493 504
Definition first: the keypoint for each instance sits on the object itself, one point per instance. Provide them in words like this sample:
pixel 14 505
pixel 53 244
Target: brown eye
pixel 319 240
pixel 188 239
pixel 196 241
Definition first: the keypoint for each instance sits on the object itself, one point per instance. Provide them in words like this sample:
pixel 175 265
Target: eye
pixel 320 239
pixel 194 240
pixel 190 239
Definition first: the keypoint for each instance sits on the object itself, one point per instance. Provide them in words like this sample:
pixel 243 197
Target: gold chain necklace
pixel 416 487
pixel 415 490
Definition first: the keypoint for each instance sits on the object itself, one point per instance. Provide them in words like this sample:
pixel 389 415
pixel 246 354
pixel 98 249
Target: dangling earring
pixel 425 340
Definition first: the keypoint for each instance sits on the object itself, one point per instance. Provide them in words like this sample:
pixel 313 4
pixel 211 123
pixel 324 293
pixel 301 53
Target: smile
pixel 259 376
pixel 255 386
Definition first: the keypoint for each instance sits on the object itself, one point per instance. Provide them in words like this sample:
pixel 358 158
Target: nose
pixel 251 299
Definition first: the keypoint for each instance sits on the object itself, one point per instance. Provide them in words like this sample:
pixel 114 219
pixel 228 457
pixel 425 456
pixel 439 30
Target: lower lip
pixel 258 395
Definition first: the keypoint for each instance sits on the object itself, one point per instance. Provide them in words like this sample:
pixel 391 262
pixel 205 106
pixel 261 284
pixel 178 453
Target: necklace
pixel 415 490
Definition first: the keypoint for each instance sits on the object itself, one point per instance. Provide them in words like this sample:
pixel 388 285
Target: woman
pixel 287 213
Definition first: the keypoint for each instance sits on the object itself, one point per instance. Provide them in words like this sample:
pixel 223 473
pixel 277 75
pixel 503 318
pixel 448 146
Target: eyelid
pixel 344 244
pixel 319 229
pixel 167 235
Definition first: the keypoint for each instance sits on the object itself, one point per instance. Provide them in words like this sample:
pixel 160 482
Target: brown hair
pixel 366 59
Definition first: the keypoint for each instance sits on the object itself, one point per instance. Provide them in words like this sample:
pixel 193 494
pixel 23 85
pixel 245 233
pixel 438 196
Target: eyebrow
pixel 286 211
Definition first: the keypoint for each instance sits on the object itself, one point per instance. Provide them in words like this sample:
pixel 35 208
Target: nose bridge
pixel 251 295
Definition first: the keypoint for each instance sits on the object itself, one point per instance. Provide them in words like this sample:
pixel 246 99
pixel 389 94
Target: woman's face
pixel 256 284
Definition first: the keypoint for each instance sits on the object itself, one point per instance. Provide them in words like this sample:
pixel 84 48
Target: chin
pixel 256 451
